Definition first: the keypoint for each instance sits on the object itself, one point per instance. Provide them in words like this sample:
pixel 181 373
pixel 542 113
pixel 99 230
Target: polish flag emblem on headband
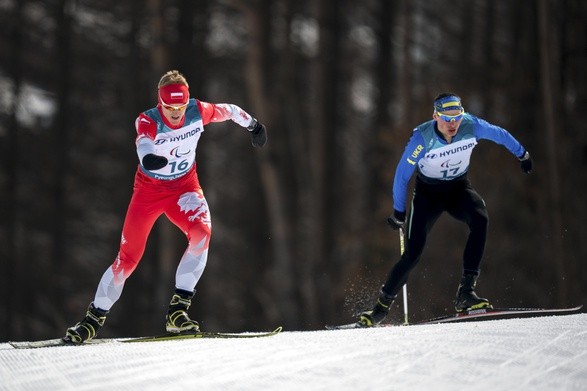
pixel 174 94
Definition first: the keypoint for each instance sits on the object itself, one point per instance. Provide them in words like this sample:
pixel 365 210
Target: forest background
pixel 299 233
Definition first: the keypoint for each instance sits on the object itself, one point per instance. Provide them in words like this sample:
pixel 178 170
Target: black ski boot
pixel 467 299
pixel 379 312
pixel 177 317
pixel 88 327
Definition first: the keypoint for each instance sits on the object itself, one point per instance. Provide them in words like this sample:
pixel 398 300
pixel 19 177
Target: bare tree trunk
pixel 322 141
pixel 281 273
pixel 385 78
pixel 10 277
pixel 549 67
pixel 61 130
pixel 383 70
pixel 406 66
pixel 574 83
pixel 488 83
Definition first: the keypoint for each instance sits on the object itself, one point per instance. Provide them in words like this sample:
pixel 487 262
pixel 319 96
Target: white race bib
pixel 179 147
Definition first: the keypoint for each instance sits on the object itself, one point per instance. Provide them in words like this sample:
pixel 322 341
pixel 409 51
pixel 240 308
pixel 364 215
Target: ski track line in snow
pixel 544 372
pixel 562 363
pixel 533 350
pixel 552 368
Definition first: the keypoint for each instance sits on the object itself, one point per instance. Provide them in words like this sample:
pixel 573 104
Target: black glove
pixel 258 133
pixel 154 162
pixel 526 162
pixel 397 219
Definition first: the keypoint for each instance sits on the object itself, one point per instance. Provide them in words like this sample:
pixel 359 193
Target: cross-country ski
pixel 476 315
pixel 157 338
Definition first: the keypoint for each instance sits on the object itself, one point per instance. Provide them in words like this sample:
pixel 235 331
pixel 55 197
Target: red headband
pixel 174 94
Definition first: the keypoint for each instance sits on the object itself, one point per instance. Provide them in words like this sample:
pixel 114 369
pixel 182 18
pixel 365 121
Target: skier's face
pixel 448 122
pixel 174 114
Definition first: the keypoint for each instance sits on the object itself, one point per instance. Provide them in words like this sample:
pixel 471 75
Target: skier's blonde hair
pixel 172 77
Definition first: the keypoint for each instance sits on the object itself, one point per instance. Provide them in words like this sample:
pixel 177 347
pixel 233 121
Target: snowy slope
pixel 519 354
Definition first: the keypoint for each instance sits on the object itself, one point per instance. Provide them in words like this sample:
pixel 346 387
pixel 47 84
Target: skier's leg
pixel 141 215
pixel 471 209
pixel 192 216
pixel 194 221
pixel 423 214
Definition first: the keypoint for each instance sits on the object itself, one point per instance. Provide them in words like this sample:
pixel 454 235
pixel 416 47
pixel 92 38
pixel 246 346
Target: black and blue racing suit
pixel 442 185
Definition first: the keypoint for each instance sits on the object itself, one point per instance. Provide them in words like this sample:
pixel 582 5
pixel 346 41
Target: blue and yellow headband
pixel 451 102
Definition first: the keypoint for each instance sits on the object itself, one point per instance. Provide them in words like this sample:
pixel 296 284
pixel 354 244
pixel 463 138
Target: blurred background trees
pixel 299 232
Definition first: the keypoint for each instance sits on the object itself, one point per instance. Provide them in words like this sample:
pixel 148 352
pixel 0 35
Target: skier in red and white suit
pixel 166 182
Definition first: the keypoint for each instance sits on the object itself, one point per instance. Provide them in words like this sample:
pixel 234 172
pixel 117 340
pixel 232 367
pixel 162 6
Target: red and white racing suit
pixel 173 190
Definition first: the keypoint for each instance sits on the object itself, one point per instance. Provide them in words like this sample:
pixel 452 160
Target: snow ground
pixel 518 354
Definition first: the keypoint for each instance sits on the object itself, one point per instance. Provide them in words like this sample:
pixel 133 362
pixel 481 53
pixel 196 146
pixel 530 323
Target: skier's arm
pixel 146 130
pixel 219 112
pixel 485 130
pixel 405 169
